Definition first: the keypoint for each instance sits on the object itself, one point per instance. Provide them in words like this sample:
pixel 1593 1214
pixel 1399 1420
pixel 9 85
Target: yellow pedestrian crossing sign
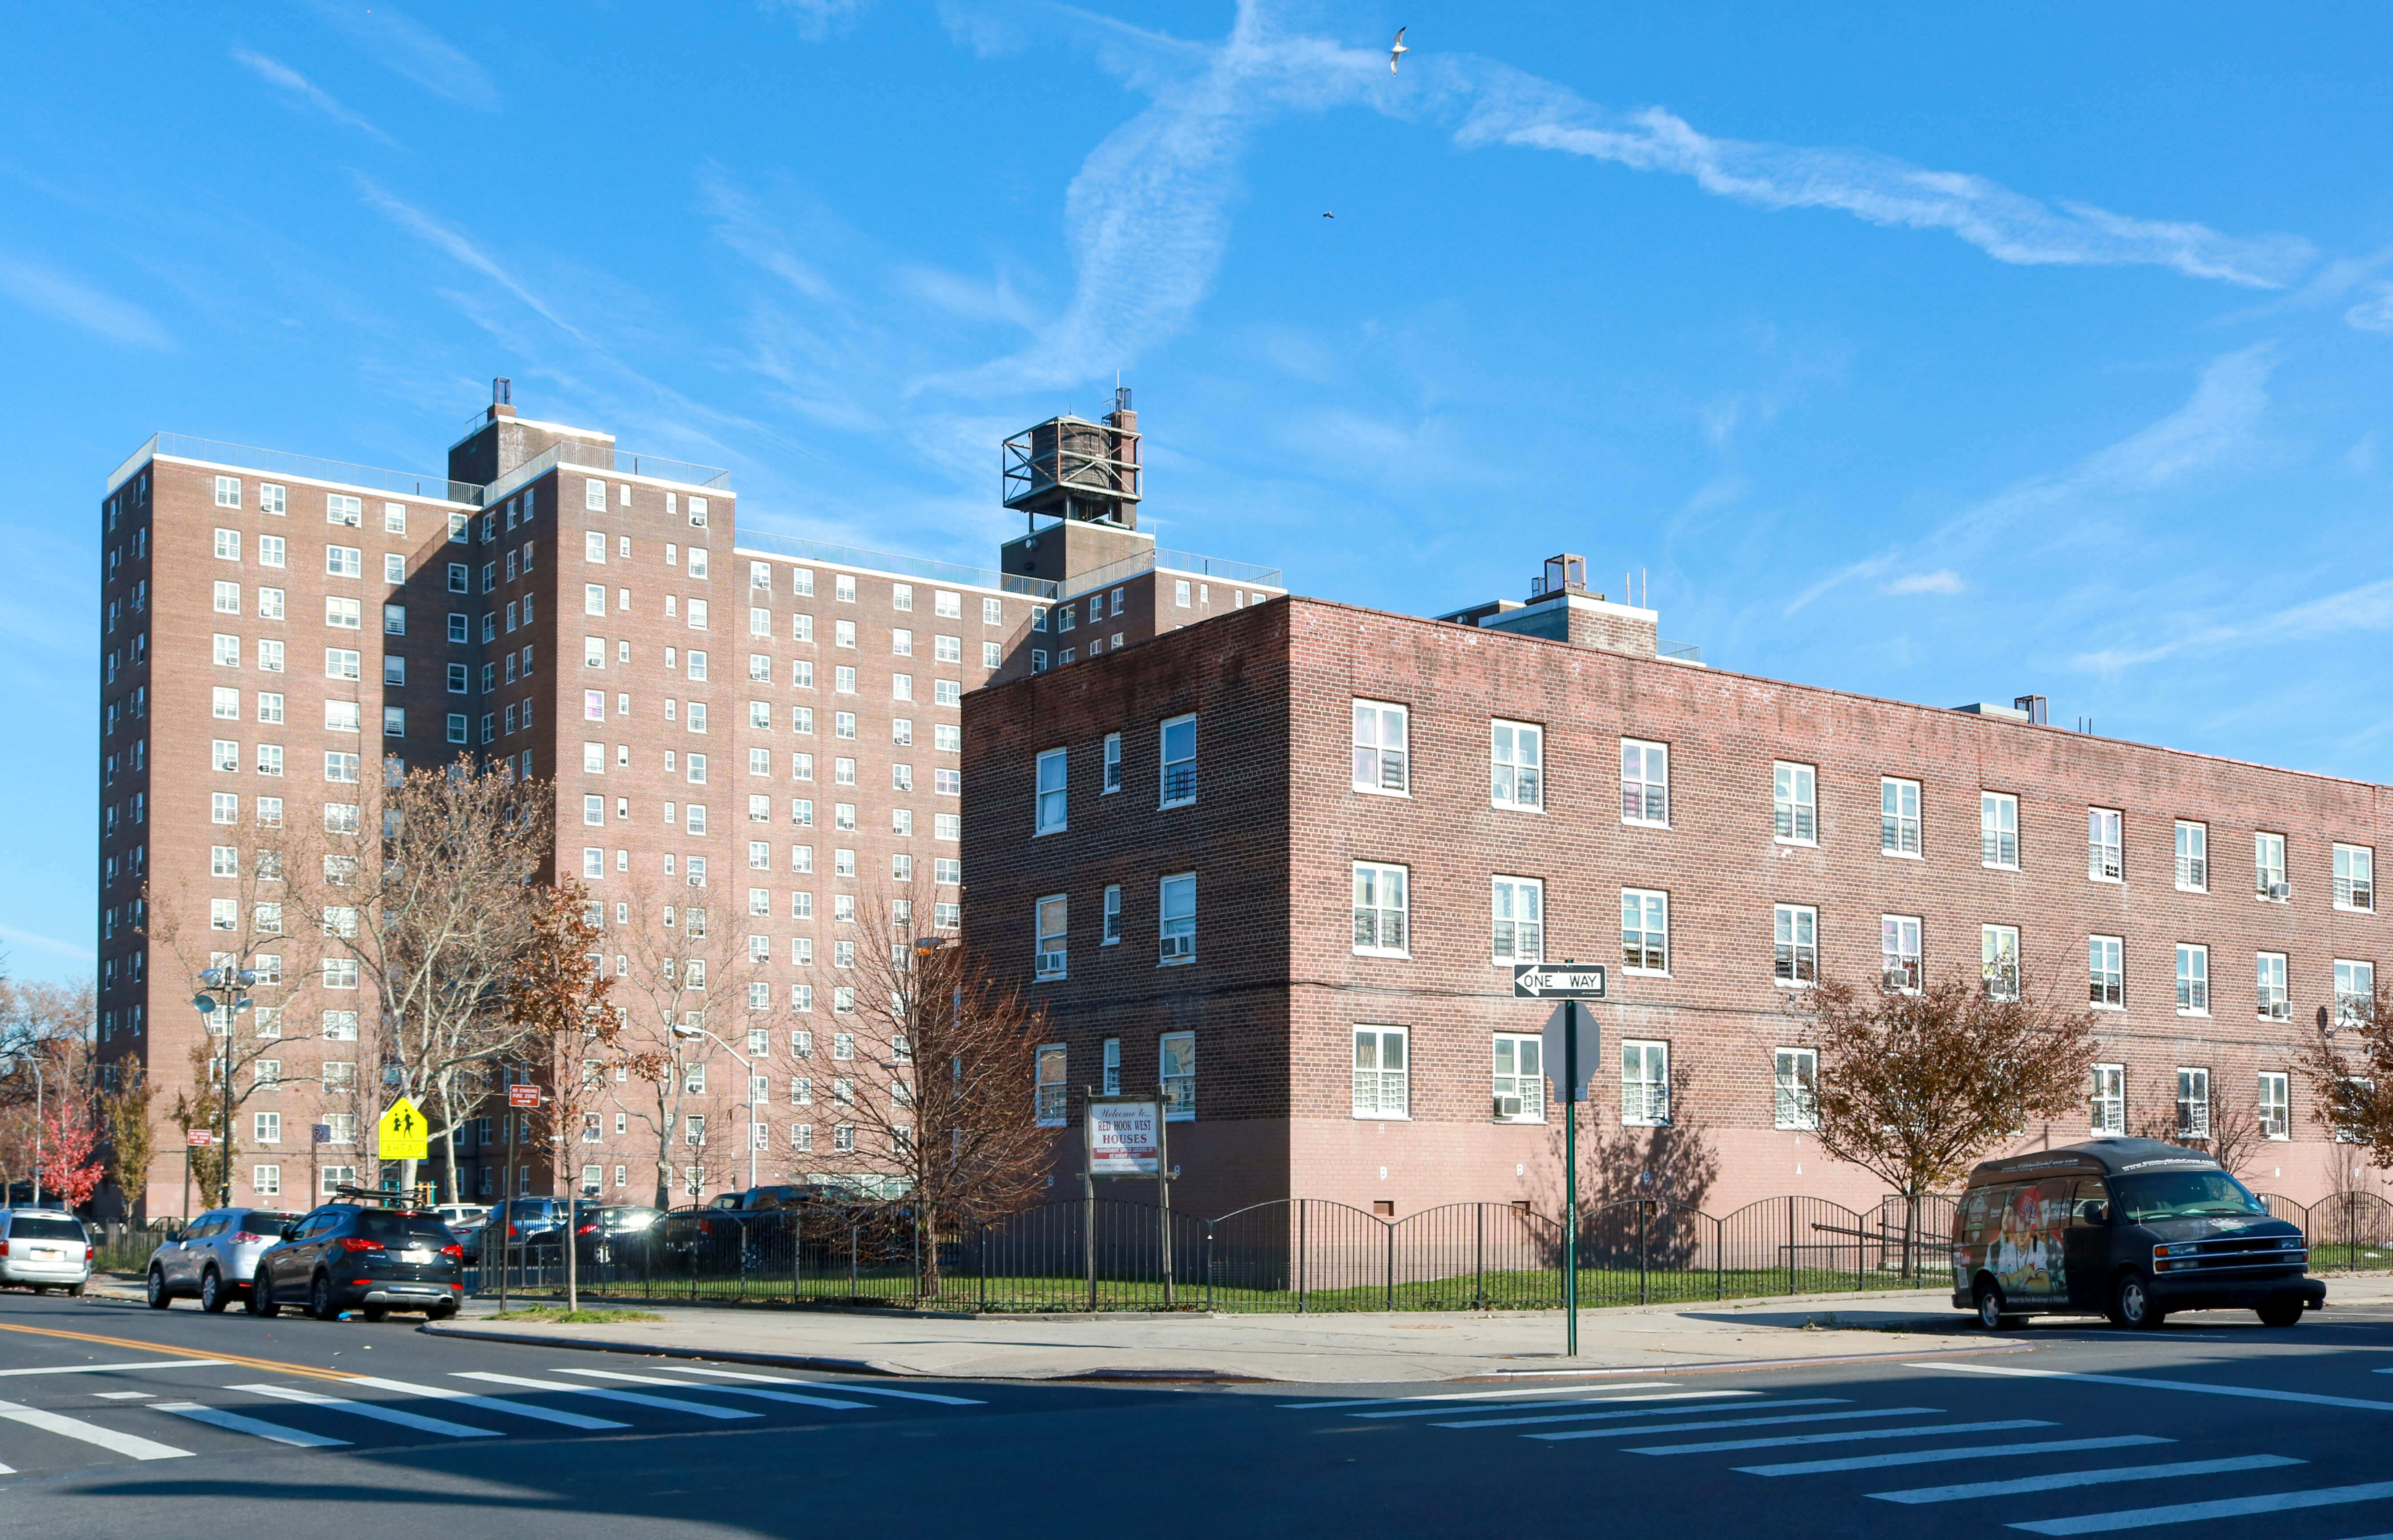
pixel 403 1133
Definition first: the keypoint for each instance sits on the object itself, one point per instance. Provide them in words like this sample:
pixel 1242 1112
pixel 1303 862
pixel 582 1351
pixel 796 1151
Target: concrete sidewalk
pixel 1331 1349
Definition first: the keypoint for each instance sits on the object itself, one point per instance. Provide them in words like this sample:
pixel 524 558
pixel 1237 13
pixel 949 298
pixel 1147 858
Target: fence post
pixel 1392 1268
pixel 1300 1255
pixel 1644 1282
pixel 1720 1258
pixel 1791 1243
pixel 854 1289
pixel 981 1266
pixel 1479 1256
pixel 1208 1266
pixel 797 1254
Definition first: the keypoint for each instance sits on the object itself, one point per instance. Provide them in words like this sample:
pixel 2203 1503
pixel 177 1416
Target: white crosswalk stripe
pixel 113 1368
pixel 1934 1430
pixel 1592 1401
pixel 504 1404
pixel 756 1391
pixel 1643 1411
pixel 2065 1479
pixel 233 1422
pixel 1460 1395
pixel 107 1438
pixel 370 1409
pixel 814 1385
pixel 2225 1508
pixel 1665 1428
pixel 1939 1457
pixel 635 1398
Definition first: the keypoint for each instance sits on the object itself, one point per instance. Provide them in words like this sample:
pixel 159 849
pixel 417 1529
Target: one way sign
pixel 1542 981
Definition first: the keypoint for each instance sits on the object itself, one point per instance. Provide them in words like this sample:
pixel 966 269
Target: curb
pixel 1169 1377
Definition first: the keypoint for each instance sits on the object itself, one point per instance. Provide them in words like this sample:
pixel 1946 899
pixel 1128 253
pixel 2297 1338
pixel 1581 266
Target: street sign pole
pixel 1572 1044
pixel 507 1204
pixel 1570 1177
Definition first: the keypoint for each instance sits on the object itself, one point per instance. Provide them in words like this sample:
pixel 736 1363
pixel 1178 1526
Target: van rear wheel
pixel 2281 1313
pixel 2132 1306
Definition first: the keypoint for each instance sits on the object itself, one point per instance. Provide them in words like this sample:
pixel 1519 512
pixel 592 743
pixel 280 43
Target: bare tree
pixel 675 961
pixel 557 997
pixel 2348 1065
pixel 944 1082
pixel 2232 1134
pixel 419 894
pixel 132 1138
pixel 1916 1085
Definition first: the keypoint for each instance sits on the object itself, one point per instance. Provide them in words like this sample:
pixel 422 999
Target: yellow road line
pixel 271 1365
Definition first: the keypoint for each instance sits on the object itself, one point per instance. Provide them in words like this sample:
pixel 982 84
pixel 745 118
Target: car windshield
pixel 389 1227
pixel 259 1222
pixel 2184 1194
pixel 44 1227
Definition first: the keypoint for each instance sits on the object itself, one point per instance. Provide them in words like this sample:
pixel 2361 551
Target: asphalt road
pixel 2215 1427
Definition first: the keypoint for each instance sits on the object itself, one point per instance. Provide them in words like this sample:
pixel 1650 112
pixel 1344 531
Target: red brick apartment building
pixel 752 739
pixel 1282 862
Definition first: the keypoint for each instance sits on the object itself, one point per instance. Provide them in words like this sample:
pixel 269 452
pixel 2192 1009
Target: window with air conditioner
pixel 2268 868
pixel 2274 1108
pixel 1051 961
pixel 1898 956
pixel 1177 899
pixel 1520 1078
pixel 2275 1005
pixel 1998 947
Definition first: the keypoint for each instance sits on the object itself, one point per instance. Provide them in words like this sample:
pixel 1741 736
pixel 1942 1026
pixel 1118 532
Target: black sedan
pixel 346 1257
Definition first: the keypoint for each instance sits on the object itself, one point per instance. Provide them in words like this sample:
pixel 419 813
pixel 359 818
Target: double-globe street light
pixel 747 1064
pixel 229 982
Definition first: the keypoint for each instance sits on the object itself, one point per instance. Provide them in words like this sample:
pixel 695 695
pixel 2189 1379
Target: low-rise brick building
pixel 1282 862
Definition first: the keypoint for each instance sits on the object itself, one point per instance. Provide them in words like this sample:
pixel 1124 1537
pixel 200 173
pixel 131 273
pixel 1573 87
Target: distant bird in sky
pixel 1396 51
pixel 1326 215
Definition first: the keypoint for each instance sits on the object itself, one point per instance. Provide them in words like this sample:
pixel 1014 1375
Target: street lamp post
pixel 37 1065
pixel 229 983
pixel 749 1066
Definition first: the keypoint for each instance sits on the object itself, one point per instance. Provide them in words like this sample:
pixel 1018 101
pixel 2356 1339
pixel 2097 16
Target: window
pixel 227 596
pixel 2355 877
pixel 1899 951
pixel 1795 802
pixel 1381 910
pixel 2193 857
pixel 1795 1074
pixel 1052 1091
pixel 1644 1084
pixel 229 545
pixel 1796 944
pixel 1113 776
pixel 344 614
pixel 1179 782
pixel 2275 1006
pixel 1050 806
pixel 1644 931
pixel 1645 783
pixel 2275 1107
pixel 228 491
pixel 269 606
pixel 1520 917
pixel 1519 1081
pixel 1175 1066
pixel 2269 868
pixel 1051 959
pixel 1380 1078
pixel 1178 924
pixel 1998 830
pixel 266 1128
pixel 2105 860
pixel 1516 765
pixel 2192 981
pixel 1999 955
pixel 1898 828
pixel 2105 981
pixel 2193 1102
pixel 1383 755
pixel 2355 991
pixel 1113 917
pixel 2108 1112
pixel 227 650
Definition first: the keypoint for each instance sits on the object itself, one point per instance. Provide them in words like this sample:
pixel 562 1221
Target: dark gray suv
pixel 347 1257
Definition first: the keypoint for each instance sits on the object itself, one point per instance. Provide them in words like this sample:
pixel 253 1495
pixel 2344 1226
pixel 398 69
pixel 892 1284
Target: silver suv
pixel 213 1257
pixel 45 1248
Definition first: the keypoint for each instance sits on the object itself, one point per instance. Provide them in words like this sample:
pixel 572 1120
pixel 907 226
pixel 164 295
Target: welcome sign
pixel 1125 1139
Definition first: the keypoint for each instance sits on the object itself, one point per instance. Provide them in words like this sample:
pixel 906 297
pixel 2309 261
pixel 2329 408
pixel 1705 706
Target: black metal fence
pixel 2349 1232
pixel 1295 1254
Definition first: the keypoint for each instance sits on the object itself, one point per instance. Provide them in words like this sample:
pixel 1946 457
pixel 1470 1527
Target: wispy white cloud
pixel 399 42
pixel 819 19
pixel 61 296
pixel 2375 313
pixel 1943 581
pixel 282 76
pixel 454 243
pixel 51 944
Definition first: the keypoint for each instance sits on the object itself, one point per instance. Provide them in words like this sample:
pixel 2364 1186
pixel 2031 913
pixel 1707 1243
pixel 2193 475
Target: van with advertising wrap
pixel 2131 1229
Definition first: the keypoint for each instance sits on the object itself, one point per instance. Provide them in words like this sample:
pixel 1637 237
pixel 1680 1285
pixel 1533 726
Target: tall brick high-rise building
pixel 1283 862
pixel 753 742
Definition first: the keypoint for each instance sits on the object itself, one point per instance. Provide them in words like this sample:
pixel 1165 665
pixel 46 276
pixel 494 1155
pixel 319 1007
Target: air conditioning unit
pixel 1178 947
pixel 1507 1106
pixel 2277 890
pixel 1051 964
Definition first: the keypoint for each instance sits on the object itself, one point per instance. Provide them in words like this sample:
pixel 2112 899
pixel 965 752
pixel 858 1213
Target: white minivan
pixel 43 1250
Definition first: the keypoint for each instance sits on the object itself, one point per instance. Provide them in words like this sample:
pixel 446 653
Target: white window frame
pixel 2106 845
pixel 2192 979
pixel 1051 962
pixel 2106 972
pixel 1901 971
pixel 1648 902
pixel 1895 822
pixel 1516 904
pixel 1175 930
pixel 1051 798
pixel 2274 1107
pixel 1794 1081
pixel 1383 1094
pixel 1187 796
pixel 1516 767
pixel 2193 1100
pixel 1644 1083
pixel 1998 831
pixel 2106 1111
pixel 1646 755
pixel 1112 781
pixel 1376 875
pixel 2272 997
pixel 1795 946
pixel 2355 879
pixel 1999 961
pixel 1376 758
pixel 1175 1071
pixel 1520 1076
pixel 2271 882
pixel 2193 856
pixel 2355 990
pixel 1794 802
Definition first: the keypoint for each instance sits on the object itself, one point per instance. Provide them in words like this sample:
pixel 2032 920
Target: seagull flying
pixel 1396 51
pixel 1326 215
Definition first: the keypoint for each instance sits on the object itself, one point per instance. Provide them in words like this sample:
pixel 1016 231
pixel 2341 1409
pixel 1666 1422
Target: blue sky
pixel 1943 356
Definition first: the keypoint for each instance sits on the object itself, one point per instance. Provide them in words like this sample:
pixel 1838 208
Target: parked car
pixel 346 1257
pixel 614 1234
pixel 465 1221
pixel 2127 1228
pixel 45 1248
pixel 213 1257
pixel 518 1226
